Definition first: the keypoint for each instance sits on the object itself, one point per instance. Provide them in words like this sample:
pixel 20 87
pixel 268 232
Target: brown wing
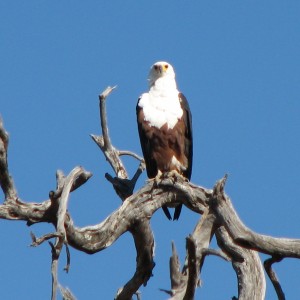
pixel 188 150
pixel 145 135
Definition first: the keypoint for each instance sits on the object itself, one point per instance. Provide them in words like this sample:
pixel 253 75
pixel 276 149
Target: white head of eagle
pixel 165 126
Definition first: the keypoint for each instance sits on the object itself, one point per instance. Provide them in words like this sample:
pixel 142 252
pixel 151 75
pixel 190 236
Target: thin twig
pixel 129 153
pixel 38 241
pixel 103 116
pixel 273 277
pixel 215 252
pixel 138 173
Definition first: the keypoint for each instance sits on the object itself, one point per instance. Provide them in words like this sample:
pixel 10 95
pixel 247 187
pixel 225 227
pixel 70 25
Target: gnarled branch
pixel 237 243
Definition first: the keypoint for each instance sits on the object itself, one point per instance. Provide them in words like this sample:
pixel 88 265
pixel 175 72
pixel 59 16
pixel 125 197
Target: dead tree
pixel 238 244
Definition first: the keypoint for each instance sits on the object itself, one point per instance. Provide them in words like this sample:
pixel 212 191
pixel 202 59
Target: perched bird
pixel 165 127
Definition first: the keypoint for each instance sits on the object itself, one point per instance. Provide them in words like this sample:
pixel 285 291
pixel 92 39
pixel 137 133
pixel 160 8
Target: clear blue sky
pixel 238 64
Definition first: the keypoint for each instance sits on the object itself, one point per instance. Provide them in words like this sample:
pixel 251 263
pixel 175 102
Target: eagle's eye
pixel 155 67
pixel 166 66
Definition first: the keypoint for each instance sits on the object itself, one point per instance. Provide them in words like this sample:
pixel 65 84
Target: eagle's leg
pixel 175 175
pixel 157 179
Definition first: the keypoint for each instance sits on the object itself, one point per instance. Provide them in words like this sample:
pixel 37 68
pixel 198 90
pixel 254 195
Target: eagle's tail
pixel 177 212
pixel 167 213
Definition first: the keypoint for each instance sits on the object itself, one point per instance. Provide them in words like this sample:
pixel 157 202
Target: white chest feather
pixel 161 107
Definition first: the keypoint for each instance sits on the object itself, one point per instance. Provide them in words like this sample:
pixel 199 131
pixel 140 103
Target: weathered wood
pixel 247 265
pixel 6 181
pixel 237 243
pixel 273 277
pixel 245 237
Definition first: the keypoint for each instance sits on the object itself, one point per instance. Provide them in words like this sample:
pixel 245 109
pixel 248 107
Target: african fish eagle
pixel 165 127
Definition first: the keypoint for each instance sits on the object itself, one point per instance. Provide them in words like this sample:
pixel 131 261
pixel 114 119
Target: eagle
pixel 165 127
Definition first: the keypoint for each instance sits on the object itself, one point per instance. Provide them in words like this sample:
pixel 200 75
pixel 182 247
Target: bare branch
pixel 189 193
pixel 103 116
pixel 30 212
pixel 192 268
pixel 237 242
pixel 215 252
pixel 199 240
pixel 61 216
pixel 248 267
pixel 139 206
pixel 110 153
pixel 81 179
pixel 178 279
pixel 244 237
pixel 273 277
pixel 66 293
pixel 137 174
pixel 38 241
pixel 54 266
pixel 63 200
pixel 6 180
pixel 3 136
pixel 111 156
pixel 175 274
pixel 144 243
pixel 129 153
